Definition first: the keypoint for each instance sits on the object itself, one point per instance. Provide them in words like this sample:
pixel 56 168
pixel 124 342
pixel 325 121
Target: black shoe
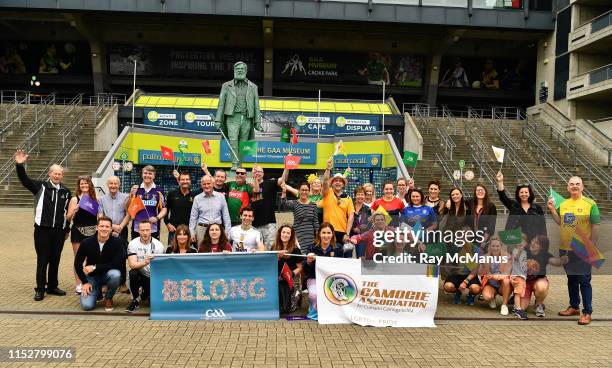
pixel 56 291
pixel 520 314
pixel 133 306
pixel 40 295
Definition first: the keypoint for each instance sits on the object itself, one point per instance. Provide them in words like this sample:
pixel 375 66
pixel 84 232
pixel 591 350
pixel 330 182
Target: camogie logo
pixel 340 289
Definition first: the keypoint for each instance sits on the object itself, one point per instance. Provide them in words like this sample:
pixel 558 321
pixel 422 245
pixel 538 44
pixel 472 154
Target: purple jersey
pixel 154 201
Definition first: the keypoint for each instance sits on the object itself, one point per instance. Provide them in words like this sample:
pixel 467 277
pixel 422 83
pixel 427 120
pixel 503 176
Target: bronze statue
pixel 238 112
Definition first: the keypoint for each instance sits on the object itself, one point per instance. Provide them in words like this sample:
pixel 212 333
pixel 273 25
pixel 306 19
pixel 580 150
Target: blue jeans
pixel 578 282
pixel 111 279
pixel 580 285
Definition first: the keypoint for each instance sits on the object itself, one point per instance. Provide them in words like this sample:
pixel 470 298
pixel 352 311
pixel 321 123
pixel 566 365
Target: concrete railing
pixel 593 81
pixel 591 31
pixel 105 132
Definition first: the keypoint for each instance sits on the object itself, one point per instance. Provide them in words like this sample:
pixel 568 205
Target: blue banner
pixel 168 118
pixel 351 123
pixel 313 123
pixel 215 287
pixel 152 157
pixel 275 152
pixel 358 160
pixel 201 120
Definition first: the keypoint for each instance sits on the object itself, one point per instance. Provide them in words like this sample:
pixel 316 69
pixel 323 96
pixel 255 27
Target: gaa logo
pixel 190 117
pixel 196 160
pixel 340 289
pixel 152 116
pixel 341 121
pixel 374 161
pixel 214 314
pixel 301 120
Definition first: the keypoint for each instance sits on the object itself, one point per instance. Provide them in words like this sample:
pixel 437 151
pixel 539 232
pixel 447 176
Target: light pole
pixel 135 60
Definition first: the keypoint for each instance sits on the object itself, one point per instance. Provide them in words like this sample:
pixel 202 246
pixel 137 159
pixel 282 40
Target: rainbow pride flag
pixel 587 251
pixel 433 270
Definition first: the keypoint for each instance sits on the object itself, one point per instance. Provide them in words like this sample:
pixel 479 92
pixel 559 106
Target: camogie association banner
pixel 346 295
pixel 214 287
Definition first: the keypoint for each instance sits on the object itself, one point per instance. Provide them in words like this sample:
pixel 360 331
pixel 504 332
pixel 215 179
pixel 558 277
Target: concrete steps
pixel 528 155
pixel 82 161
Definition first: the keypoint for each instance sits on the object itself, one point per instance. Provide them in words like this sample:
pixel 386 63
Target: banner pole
pixel 134 92
pixel 318 114
pixel 383 111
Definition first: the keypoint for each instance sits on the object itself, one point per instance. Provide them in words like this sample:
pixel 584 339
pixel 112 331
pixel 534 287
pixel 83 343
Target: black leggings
pixel 138 280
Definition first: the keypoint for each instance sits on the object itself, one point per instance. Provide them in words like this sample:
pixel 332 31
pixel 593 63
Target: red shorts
pixel 529 287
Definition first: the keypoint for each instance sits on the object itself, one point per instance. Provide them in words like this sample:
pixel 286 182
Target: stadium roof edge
pixel 532 20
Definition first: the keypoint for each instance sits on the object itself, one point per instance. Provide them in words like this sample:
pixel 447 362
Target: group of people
pixel 239 216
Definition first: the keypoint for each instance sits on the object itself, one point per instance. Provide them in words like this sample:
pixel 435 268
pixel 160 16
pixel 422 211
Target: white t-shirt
pixel 135 247
pixel 244 240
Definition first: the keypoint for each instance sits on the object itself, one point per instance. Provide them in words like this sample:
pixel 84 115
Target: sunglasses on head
pixel 84 177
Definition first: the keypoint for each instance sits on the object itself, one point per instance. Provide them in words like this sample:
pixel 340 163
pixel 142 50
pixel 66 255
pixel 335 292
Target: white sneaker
pixel 78 289
pixel 504 310
pixel 539 311
pixel 493 303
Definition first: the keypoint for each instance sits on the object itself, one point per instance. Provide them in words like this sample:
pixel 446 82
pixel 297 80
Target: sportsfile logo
pixel 215 314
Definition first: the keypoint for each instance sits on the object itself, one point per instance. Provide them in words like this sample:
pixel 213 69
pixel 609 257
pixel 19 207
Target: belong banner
pixel 214 287
pixel 347 295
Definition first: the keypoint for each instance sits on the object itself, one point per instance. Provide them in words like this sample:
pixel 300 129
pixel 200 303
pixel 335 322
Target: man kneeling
pixel 140 252
pixel 102 256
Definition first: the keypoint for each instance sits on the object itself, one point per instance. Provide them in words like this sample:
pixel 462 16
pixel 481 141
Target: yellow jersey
pixel 581 213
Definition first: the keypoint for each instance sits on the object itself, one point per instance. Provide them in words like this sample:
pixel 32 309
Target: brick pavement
pixel 463 332
pixel 141 343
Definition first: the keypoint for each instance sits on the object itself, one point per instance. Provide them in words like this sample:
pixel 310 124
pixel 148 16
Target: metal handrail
pixel 14 96
pixel 544 153
pixel 580 159
pixel 443 135
pixel 478 152
pixel 446 166
pixel 505 112
pixel 12 115
pixel 43 117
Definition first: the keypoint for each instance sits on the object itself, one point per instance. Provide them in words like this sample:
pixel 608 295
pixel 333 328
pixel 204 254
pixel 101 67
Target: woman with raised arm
pixel 524 213
pixel 305 215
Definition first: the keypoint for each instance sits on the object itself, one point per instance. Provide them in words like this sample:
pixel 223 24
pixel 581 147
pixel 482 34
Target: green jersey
pixel 238 197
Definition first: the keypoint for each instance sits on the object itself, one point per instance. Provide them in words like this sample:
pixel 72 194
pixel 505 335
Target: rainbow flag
pixel 588 252
pixel 433 270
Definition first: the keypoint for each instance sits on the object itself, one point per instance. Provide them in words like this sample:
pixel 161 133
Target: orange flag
pixel 136 205
pixel 287 275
